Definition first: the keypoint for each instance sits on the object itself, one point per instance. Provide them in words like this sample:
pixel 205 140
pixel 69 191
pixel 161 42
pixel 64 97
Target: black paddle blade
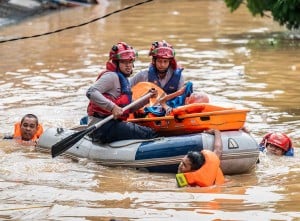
pixel 68 142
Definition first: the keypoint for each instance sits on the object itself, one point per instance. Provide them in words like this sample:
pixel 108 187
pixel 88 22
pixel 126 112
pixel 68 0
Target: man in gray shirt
pixel 110 93
pixel 163 70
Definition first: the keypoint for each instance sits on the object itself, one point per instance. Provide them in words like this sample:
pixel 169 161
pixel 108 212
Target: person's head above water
pixel 276 143
pixel 29 126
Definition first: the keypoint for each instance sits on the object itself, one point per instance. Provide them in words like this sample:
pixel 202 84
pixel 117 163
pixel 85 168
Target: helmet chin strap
pixel 162 74
pixel 127 75
pixel 119 70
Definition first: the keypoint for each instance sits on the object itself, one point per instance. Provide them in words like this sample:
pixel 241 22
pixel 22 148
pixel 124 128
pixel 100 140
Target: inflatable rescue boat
pixel 163 154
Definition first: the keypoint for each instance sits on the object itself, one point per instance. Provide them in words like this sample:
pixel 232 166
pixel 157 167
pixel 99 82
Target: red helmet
pixel 161 49
pixel 278 139
pixel 122 51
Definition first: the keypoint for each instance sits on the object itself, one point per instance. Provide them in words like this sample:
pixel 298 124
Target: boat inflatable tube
pixel 163 154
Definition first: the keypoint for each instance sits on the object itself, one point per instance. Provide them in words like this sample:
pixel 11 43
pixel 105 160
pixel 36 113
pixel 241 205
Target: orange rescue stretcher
pixel 184 120
pixel 190 118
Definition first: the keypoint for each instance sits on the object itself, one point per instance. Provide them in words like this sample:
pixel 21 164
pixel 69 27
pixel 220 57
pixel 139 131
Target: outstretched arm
pixel 164 98
pixel 218 147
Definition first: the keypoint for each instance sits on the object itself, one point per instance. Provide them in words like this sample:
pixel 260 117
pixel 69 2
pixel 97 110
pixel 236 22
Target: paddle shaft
pixel 164 98
pixel 129 106
pixel 66 143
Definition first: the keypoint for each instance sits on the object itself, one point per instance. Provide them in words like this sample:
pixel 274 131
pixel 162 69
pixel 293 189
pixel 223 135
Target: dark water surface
pixel 246 61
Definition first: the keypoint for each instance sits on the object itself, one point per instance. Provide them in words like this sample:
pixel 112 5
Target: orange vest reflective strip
pixel 209 174
pixel 17 132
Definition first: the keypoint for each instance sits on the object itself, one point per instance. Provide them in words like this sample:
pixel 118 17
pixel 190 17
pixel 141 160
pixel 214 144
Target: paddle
pixel 69 141
pixel 142 87
pixel 164 98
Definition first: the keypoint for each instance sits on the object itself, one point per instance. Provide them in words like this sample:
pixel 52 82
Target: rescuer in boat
pixel 110 93
pixel 202 168
pixel 28 131
pixel 277 143
pixel 167 75
pixel 163 70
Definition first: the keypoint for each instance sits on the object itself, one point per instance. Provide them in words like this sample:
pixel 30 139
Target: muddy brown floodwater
pixel 236 58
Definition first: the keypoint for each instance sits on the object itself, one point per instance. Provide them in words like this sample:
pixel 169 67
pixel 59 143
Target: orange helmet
pixel 278 139
pixel 161 49
pixel 122 51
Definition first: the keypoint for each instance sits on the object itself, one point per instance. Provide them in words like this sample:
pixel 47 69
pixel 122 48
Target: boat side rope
pixel 134 142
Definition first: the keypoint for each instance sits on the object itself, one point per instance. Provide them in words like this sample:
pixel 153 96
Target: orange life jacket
pixel 18 136
pixel 121 101
pixel 209 174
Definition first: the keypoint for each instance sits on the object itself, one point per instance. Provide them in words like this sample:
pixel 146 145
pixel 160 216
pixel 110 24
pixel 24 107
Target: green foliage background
pixel 285 12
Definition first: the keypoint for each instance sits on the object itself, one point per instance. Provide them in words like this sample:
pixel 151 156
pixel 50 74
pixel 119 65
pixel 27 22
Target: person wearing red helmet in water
pixel 163 70
pixel 277 143
pixel 110 93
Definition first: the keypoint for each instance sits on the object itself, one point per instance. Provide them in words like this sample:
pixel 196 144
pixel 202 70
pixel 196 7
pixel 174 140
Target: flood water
pixel 247 61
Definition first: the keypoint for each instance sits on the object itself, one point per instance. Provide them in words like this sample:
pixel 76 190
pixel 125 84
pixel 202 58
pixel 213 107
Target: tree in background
pixel 285 12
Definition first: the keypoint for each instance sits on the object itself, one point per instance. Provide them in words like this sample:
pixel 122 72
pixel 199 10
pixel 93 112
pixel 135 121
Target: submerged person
pixel 110 93
pixel 202 168
pixel 27 131
pixel 277 143
pixel 163 70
